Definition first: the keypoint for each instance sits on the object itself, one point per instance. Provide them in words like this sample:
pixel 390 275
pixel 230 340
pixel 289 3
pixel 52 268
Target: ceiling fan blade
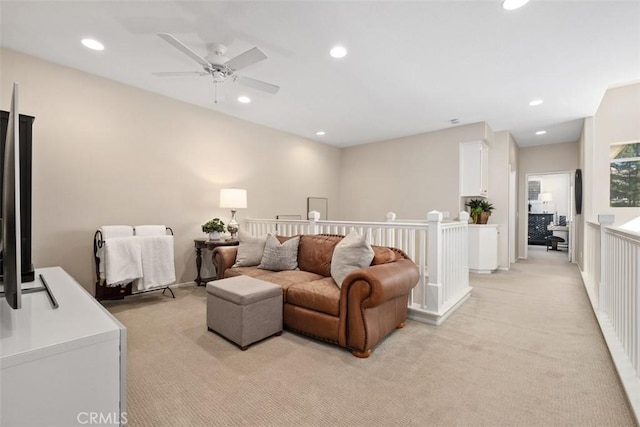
pixel 184 49
pixel 257 84
pixel 180 73
pixel 245 59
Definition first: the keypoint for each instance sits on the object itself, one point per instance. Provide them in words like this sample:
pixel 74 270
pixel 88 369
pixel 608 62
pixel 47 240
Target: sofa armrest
pixel 373 302
pixel 223 257
pixel 377 284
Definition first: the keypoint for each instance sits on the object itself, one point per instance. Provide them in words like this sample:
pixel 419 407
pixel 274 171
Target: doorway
pixel 550 213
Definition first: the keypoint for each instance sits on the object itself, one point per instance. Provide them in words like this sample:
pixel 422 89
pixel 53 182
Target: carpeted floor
pixel 524 350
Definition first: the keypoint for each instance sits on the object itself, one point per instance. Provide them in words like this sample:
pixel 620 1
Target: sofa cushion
pixel 287 278
pixel 383 255
pixel 352 253
pixel 315 253
pixel 250 250
pixel 320 295
pixel 251 271
pixel 280 256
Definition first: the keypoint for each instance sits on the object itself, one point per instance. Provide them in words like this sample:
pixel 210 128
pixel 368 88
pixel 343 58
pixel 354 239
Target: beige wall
pixel 617 120
pixel 586 139
pixel 503 158
pixel 514 154
pixel 107 153
pixel 563 157
pixel 414 175
pixel 409 176
pixel 499 192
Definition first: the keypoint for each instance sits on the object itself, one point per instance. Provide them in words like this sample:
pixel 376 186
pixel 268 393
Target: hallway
pixel 537 323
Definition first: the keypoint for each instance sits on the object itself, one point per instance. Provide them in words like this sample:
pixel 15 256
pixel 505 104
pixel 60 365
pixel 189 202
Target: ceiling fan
pixel 220 67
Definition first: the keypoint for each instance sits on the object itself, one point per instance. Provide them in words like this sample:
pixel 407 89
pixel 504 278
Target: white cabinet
pixel 64 366
pixel 474 169
pixel 483 248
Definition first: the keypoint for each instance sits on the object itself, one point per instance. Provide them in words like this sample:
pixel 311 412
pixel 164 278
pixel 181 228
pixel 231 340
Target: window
pixel 625 174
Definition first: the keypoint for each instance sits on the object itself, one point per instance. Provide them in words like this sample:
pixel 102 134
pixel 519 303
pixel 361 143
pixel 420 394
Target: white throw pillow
pixel 280 256
pixel 250 250
pixel 353 252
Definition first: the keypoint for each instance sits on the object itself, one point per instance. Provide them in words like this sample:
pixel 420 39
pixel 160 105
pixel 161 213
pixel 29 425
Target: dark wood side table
pixel 211 245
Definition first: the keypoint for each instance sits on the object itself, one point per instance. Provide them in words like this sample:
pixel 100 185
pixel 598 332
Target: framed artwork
pixel 319 204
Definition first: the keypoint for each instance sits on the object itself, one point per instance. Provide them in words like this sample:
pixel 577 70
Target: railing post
pixel 314 216
pixel 434 287
pixel 605 221
pixel 391 217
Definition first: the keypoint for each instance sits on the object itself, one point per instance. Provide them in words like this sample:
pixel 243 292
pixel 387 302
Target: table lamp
pixel 233 198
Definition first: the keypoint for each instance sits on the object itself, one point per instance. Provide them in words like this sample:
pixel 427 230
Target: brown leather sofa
pixel 371 303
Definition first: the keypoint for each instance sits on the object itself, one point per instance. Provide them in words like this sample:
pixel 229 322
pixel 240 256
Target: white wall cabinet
pixel 483 248
pixel 64 366
pixel 474 169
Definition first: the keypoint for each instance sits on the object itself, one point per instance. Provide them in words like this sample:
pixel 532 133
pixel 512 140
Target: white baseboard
pixel 433 318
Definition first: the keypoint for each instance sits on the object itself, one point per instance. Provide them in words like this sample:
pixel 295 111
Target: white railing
pixel 612 278
pixel 441 259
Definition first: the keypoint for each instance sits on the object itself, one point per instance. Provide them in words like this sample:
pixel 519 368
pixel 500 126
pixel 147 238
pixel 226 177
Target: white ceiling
pixel 412 66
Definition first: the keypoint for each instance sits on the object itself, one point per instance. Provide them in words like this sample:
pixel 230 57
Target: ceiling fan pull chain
pixel 215 99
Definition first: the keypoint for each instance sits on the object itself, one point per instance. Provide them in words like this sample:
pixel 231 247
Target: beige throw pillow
pixel 250 250
pixel 353 252
pixel 280 256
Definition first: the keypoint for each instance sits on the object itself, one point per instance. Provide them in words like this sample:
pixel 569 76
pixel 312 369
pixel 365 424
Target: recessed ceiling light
pixel 338 52
pixel 93 44
pixel 244 99
pixel 541 132
pixel 321 133
pixel 513 4
pixel 536 102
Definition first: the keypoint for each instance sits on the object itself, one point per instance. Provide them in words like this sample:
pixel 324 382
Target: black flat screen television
pixel 25 131
pixel 10 239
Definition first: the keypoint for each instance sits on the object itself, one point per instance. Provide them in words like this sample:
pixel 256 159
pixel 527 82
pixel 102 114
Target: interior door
pixel 513 210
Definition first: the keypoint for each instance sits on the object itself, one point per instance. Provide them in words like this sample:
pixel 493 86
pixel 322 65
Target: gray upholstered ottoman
pixel 244 310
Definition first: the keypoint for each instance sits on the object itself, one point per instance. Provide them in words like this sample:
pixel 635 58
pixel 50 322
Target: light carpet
pixel 524 350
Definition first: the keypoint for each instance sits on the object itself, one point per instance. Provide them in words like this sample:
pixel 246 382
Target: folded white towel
pixel 150 230
pixel 158 268
pixel 111 232
pixel 123 260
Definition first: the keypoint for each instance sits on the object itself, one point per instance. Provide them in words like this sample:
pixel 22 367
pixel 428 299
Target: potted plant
pixel 479 210
pixel 486 211
pixel 214 227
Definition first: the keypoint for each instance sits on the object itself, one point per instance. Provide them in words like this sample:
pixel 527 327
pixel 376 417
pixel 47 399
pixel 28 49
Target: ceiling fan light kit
pixel 219 66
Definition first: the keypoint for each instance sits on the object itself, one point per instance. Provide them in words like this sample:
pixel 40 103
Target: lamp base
pixel 233 226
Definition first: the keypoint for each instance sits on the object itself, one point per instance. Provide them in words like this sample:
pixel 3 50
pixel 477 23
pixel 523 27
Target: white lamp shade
pixel 545 197
pixel 233 198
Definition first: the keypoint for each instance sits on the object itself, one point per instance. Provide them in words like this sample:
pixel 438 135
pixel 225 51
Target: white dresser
pixel 65 366
pixel 483 248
